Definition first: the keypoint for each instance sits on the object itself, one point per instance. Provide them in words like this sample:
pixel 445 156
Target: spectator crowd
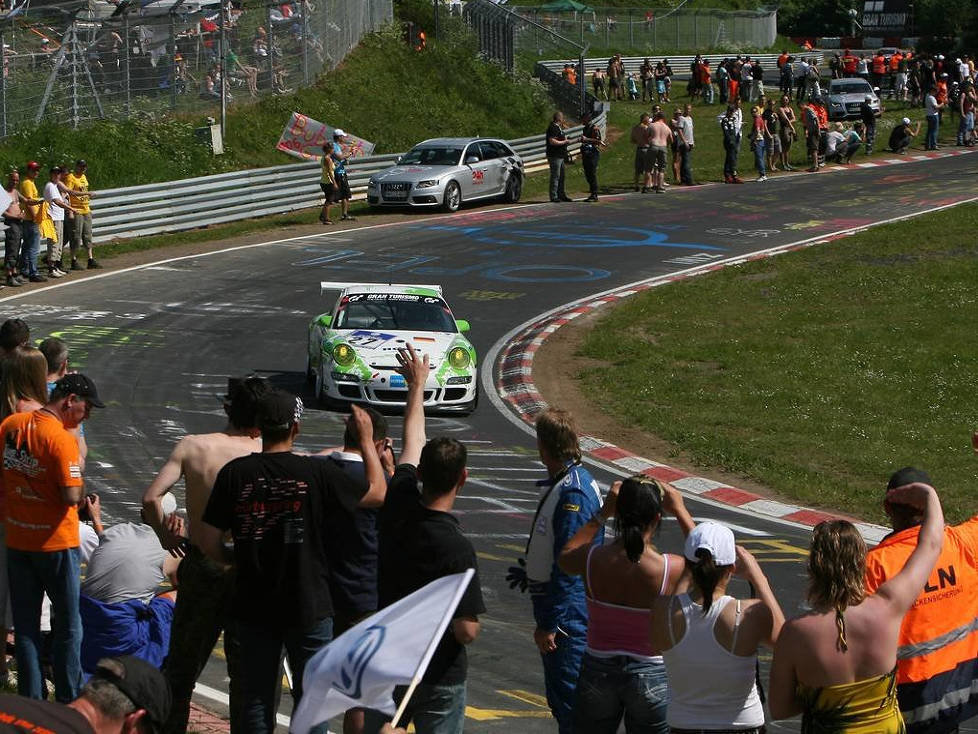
pixel 59 213
pixel 800 111
pixel 280 551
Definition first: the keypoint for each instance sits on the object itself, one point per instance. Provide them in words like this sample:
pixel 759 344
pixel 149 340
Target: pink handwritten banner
pixel 304 138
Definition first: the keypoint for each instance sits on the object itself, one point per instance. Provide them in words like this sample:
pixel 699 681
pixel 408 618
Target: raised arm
pixel 768 613
pixel 376 481
pixel 153 496
pixel 903 589
pixel 573 558
pixel 415 371
pixel 672 502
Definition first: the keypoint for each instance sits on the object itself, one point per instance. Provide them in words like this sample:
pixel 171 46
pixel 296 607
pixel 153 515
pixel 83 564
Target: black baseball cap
pixel 81 163
pixel 142 683
pixel 907 475
pixel 77 384
pixel 278 409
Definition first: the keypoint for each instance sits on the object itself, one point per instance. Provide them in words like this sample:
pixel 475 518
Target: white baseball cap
pixel 906 120
pixel 715 538
pixel 339 133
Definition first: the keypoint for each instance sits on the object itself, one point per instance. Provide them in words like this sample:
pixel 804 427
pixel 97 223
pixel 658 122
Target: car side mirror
pixel 324 319
pixel 471 160
pixel 463 325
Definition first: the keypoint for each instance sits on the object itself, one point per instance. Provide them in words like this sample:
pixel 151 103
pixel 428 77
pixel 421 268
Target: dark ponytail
pixel 639 507
pixel 631 537
pixel 706 575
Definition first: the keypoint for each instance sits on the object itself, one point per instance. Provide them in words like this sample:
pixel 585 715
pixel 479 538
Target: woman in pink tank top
pixel 622 675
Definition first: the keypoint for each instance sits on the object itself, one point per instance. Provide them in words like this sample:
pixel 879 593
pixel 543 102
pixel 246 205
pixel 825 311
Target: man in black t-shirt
pixel 902 135
pixel 420 541
pixel 557 144
pixel 868 117
pixel 352 538
pixel 276 504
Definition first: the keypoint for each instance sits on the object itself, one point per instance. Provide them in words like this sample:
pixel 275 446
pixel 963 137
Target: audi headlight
pixel 459 358
pixel 344 355
pixel 426 184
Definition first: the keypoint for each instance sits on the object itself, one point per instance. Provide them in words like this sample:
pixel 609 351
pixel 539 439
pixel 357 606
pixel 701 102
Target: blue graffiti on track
pixel 380 264
pixel 583 236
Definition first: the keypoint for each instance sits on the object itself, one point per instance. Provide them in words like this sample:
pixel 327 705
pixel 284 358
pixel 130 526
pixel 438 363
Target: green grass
pixel 815 373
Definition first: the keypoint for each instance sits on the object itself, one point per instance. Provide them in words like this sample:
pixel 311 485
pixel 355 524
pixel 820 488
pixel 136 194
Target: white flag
pixel 393 647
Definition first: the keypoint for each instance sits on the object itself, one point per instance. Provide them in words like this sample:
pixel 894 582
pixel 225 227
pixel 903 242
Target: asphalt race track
pixel 160 341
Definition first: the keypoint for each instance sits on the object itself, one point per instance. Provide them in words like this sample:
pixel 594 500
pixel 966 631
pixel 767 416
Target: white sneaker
pixel 55 273
pixel 63 273
pixel 761 178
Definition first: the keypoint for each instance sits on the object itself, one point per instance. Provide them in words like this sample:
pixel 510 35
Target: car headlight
pixel 426 184
pixel 459 358
pixel 344 355
pixel 371 184
pixel 344 377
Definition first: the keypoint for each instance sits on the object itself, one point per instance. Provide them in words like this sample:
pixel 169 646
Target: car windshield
pixel 851 88
pixel 432 156
pixel 401 311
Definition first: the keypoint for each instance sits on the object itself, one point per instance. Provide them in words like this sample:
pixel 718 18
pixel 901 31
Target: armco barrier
pixel 174 206
pixel 680 64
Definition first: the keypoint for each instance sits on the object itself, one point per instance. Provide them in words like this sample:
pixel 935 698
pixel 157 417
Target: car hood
pixel 379 348
pixel 412 173
pixel 849 97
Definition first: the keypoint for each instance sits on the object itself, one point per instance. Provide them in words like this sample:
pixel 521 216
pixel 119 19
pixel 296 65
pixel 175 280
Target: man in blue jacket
pixel 571 497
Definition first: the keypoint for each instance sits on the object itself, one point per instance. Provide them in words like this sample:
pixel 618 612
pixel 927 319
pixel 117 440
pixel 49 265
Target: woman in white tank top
pixel 709 640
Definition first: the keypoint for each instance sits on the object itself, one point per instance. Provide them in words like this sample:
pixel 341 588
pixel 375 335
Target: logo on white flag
pixel 356 660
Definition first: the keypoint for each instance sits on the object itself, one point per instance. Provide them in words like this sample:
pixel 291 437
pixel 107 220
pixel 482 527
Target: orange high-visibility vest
pixel 879 64
pixel 937 657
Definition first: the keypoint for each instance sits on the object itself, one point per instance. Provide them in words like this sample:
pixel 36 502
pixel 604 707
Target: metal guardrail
pixel 680 64
pixel 175 206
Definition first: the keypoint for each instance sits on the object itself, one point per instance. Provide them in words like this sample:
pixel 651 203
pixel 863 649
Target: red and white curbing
pixel 515 385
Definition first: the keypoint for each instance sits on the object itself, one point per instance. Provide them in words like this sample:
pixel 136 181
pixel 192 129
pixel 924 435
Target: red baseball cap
pixel 33 166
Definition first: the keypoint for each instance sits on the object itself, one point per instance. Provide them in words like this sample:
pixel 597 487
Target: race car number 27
pixel 369 339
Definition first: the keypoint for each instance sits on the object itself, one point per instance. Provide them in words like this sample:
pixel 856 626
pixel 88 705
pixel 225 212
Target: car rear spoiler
pixel 336 285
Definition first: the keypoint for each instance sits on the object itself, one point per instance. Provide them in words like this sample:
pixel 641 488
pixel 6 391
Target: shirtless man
pixel 640 139
pixel 660 138
pixel 204 585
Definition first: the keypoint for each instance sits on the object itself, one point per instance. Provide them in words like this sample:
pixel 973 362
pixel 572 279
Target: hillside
pixel 384 92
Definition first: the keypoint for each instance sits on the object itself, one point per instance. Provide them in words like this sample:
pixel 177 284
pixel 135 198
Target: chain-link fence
pixel 499 31
pixel 69 64
pixel 654 30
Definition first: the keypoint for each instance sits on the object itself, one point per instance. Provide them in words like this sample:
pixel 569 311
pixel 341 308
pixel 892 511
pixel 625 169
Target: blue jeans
pixel 932 123
pixel 30 247
pixel 612 687
pixel 759 150
pixel 434 709
pixel 261 656
pixel 965 125
pixel 32 573
pixel 561 669
pixel 557 168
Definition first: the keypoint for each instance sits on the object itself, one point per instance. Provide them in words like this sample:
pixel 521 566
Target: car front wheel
pixel 514 188
pixel 453 197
